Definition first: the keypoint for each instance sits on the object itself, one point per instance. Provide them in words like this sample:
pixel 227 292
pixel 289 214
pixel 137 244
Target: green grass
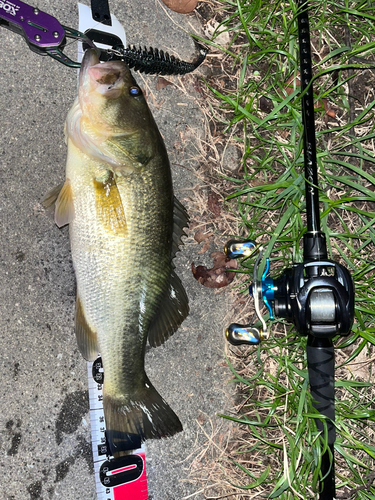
pixel 268 195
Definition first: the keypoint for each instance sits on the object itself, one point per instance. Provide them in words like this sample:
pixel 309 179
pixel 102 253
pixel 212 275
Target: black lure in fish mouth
pixel 155 61
pixel 150 60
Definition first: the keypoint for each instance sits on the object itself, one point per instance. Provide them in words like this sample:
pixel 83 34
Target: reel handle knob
pixel 237 334
pixel 248 334
pixel 234 249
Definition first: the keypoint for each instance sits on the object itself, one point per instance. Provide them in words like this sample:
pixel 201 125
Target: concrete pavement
pixel 44 422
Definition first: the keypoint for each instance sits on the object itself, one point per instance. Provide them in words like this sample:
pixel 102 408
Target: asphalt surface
pixel 44 420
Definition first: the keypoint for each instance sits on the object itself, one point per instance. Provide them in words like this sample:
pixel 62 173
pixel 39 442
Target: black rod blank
pixel 320 351
pixel 309 144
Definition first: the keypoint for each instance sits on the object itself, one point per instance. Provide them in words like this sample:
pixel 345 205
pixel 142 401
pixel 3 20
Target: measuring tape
pixel 121 478
pixel 117 479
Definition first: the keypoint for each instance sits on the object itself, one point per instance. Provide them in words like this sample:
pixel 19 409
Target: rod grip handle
pixel 321 369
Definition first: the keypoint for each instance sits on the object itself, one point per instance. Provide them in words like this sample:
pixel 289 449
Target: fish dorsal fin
pixel 86 337
pixel 180 221
pixel 174 306
pixel 173 309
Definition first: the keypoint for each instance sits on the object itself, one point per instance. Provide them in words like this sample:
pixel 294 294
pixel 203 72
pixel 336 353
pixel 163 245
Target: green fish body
pixel 125 227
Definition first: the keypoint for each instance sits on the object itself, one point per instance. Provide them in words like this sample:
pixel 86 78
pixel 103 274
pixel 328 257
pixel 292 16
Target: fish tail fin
pixel 133 418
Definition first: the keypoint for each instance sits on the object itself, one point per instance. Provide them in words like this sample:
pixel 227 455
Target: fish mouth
pixel 106 78
pixel 91 58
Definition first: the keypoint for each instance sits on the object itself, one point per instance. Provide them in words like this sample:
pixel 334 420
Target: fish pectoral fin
pixel 180 221
pixel 173 310
pixel 86 338
pixel 142 414
pixel 109 207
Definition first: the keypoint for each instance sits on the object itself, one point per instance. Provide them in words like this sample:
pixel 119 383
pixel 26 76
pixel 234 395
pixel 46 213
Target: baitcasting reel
pixel 317 296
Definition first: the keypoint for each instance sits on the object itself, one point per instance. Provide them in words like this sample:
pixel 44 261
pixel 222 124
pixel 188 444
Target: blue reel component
pixel 235 249
pixel 267 289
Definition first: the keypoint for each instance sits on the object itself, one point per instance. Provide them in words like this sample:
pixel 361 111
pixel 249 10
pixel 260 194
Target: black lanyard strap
pixel 100 11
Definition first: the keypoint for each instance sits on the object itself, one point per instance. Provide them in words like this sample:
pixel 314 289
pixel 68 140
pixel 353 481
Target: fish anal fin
pixel 86 337
pixel 174 308
pixel 135 417
pixel 180 221
pixel 109 206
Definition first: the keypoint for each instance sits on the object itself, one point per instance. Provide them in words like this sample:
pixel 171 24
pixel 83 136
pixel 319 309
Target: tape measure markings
pixel 121 479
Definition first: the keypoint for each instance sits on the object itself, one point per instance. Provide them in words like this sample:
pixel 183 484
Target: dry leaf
pixel 265 104
pixel 181 6
pixel 201 418
pixel 222 39
pixel 206 237
pixel 327 108
pixel 218 276
pixel 213 204
pixel 289 84
pixel 162 83
pixel 205 247
pixel 200 236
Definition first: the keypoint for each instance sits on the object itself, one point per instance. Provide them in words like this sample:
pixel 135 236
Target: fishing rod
pixel 317 295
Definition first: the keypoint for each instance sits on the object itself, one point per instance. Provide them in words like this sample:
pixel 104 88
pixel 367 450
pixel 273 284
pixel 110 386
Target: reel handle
pixel 238 334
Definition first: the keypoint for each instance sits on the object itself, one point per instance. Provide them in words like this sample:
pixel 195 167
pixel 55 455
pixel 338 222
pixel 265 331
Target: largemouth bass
pixel 125 227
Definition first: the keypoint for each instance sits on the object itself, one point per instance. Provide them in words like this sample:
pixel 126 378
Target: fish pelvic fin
pixel 86 337
pixel 50 198
pixel 131 419
pixel 62 197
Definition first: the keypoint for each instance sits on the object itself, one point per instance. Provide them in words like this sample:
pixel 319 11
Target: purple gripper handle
pixel 38 28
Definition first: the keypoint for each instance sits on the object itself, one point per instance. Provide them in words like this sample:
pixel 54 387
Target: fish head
pixel 109 95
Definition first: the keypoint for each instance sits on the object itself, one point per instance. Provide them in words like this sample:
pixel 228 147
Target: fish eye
pixel 135 91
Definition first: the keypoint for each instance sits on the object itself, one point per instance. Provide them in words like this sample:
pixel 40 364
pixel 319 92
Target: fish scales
pixel 118 200
pixel 117 271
